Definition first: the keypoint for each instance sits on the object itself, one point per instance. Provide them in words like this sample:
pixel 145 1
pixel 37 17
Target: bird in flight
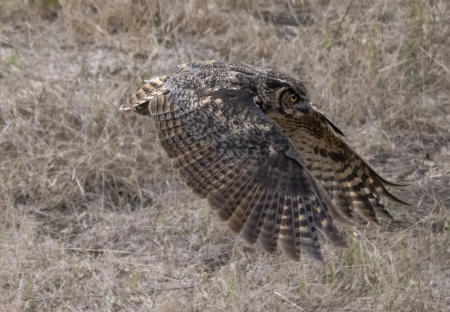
pixel 274 167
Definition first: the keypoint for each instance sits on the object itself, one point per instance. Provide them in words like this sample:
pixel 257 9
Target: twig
pixel 392 66
pixel 5 43
pixel 4 129
pixel 133 293
pixel 35 299
pixel 434 59
pixel 96 250
pixel 172 288
pixel 340 25
pixel 288 301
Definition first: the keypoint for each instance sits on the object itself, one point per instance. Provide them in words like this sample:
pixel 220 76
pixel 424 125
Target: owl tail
pixel 139 101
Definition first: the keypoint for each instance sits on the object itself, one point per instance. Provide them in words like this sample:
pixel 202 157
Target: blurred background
pixel 93 217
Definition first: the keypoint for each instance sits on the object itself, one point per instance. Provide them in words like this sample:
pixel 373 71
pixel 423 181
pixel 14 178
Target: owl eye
pixel 289 98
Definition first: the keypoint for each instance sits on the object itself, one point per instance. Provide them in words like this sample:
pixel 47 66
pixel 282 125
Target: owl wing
pixel 229 152
pixel 351 182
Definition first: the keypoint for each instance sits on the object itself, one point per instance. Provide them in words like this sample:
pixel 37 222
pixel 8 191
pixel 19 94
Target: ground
pixel 93 217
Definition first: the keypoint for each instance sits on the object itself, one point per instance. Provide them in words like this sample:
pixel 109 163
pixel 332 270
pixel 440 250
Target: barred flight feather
pixel 273 166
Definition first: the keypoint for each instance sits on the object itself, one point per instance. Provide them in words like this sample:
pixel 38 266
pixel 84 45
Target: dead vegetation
pixel 94 218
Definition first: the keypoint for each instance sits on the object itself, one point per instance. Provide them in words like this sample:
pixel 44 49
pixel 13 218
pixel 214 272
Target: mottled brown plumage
pixel 272 165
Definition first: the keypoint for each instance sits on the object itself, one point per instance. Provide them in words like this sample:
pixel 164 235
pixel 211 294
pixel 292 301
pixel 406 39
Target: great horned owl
pixel 272 165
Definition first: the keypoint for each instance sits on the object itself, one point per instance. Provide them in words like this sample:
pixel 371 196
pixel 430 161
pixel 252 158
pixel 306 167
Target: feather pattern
pixel 348 179
pixel 277 174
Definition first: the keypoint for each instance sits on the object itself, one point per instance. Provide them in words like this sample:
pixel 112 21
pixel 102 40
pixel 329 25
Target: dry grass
pixel 94 218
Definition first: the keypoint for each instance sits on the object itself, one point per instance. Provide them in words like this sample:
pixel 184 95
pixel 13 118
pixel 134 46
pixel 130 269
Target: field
pixel 94 218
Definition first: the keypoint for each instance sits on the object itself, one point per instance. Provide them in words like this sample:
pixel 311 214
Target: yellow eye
pixel 294 98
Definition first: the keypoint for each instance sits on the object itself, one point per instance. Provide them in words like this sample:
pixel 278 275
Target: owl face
pixel 286 98
pixel 293 104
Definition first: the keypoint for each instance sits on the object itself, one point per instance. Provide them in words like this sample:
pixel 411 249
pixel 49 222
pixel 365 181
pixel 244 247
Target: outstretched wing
pixel 349 180
pixel 229 152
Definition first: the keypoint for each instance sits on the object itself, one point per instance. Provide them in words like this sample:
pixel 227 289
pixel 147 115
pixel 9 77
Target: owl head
pixel 275 92
pixel 282 95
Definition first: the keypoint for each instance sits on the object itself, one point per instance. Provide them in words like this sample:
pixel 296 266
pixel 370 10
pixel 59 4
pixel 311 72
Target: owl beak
pixel 303 108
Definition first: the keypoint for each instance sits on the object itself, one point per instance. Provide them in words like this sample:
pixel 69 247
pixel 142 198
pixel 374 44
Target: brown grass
pixel 93 217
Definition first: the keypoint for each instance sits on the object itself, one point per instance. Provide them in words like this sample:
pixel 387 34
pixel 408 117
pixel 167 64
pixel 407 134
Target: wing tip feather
pixel 151 89
pixel 392 196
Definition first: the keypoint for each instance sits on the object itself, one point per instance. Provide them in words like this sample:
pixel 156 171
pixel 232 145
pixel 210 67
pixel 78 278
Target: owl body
pixel 273 166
